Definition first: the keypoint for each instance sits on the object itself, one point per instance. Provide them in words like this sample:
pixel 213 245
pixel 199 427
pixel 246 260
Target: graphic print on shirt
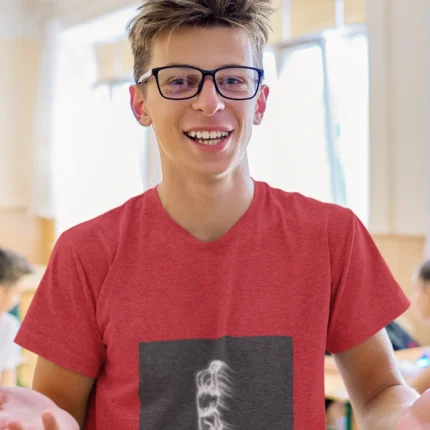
pixel 213 390
pixel 229 383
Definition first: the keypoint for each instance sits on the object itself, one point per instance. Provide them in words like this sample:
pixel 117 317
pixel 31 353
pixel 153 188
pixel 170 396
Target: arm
pixel 8 378
pixel 69 390
pixel 378 393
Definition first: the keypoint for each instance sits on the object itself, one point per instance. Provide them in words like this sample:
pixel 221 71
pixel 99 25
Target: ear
pixel 260 108
pixel 138 106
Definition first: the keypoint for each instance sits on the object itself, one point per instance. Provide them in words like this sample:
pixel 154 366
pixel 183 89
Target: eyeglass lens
pixel 184 82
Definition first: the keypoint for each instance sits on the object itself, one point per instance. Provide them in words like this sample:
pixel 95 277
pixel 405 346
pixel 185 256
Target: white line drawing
pixel 213 389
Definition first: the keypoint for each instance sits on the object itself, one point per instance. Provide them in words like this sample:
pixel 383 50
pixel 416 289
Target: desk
pixel 335 388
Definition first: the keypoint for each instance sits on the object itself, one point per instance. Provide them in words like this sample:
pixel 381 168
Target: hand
pixel 23 409
pixel 418 416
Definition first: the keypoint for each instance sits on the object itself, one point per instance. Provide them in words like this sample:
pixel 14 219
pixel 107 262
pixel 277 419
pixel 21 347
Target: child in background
pixel 422 291
pixel 12 268
pixel 421 300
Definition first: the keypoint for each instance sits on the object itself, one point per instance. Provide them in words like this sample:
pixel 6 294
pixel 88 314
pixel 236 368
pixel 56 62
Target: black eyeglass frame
pixel 155 72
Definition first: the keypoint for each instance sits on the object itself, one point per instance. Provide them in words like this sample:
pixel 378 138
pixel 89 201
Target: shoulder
pixel 87 252
pixel 308 211
pixel 102 234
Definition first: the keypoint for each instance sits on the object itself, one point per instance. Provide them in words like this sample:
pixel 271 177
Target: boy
pixel 192 306
pixel 12 268
pixel 421 382
pixel 422 291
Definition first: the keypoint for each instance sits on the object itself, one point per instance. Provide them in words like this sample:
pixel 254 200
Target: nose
pixel 208 101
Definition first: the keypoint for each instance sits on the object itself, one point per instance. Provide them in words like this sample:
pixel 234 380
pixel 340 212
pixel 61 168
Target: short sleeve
pixel 365 296
pixel 61 323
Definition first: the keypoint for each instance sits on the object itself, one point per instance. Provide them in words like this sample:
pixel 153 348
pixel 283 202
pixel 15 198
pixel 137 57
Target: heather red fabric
pixel 183 334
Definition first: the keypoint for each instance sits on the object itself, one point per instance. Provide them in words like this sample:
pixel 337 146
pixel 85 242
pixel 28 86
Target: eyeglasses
pixel 186 82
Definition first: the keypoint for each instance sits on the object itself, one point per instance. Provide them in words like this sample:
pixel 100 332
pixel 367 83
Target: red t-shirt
pixel 183 334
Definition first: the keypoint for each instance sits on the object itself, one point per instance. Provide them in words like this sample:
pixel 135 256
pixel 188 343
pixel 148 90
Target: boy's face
pixel 8 298
pixel 422 298
pixel 208 49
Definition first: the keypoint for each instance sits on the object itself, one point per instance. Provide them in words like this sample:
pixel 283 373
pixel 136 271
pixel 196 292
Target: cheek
pixel 165 122
pixel 246 118
pixel 423 305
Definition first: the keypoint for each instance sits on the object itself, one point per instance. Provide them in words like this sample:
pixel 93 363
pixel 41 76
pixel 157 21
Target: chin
pixel 213 171
pixel 220 167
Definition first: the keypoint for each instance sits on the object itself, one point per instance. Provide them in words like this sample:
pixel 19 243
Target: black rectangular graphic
pixel 224 384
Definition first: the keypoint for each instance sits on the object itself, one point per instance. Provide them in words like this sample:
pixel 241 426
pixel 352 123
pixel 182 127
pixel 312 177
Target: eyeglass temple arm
pixel 145 77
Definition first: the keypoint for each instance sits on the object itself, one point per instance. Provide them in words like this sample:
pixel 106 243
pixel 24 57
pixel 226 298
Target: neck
pixel 206 207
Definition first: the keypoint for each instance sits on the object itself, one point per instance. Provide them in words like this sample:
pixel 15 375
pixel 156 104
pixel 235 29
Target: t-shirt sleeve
pixel 365 296
pixel 61 323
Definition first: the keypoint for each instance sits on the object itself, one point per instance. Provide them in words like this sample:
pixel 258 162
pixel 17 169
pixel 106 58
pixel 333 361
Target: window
pixel 106 165
pixel 348 71
pixel 315 136
pixel 117 148
pixel 100 151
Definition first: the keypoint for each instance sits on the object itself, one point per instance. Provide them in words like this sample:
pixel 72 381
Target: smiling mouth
pixel 208 138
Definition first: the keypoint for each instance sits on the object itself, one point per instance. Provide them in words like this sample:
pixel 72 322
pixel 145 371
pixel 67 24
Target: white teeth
pixel 208 137
pixel 208 134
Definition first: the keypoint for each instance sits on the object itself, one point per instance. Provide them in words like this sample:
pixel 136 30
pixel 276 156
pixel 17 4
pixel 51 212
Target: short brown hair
pixel 12 268
pixel 157 16
pixel 424 272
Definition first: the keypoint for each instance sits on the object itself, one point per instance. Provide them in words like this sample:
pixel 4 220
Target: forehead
pixel 207 48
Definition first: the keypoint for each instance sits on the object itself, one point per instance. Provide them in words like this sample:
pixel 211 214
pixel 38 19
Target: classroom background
pixel 347 122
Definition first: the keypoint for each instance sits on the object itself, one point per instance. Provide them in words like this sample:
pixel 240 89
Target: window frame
pixel 320 39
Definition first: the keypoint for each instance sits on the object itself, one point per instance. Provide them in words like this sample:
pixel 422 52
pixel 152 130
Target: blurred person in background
pixel 12 268
pixel 421 300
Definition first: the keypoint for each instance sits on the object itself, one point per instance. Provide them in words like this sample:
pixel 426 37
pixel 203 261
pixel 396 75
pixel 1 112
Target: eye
pixel 231 81
pixel 178 82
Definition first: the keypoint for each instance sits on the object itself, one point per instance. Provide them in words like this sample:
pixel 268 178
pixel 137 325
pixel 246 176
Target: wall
pixel 19 63
pixel 400 138
pixel 19 49
pixel 400 109
pixel 73 12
